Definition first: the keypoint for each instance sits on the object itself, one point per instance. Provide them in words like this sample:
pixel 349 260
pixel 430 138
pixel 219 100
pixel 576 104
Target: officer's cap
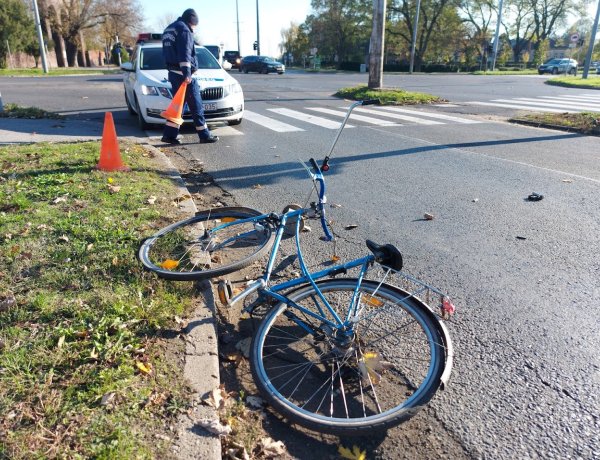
pixel 190 17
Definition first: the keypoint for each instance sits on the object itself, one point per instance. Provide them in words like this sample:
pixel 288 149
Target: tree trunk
pixel 81 51
pixel 71 52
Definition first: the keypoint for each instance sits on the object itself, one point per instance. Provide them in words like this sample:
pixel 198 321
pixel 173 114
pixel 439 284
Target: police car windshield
pixel 152 59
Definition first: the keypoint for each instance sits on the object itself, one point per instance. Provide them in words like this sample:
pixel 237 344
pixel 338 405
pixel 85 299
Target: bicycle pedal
pixel 225 291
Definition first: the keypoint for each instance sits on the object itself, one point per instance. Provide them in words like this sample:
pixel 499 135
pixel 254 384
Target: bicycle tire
pixel 328 388
pixel 180 252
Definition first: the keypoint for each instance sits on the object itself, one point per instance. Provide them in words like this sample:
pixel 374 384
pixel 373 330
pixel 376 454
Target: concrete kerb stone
pixel 201 368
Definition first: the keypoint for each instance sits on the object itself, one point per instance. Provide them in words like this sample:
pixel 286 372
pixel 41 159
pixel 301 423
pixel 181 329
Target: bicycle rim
pixel 375 379
pixel 194 249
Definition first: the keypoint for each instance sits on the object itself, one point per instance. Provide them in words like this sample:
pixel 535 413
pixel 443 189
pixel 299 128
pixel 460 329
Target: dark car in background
pixel 234 58
pixel 261 64
pixel 556 66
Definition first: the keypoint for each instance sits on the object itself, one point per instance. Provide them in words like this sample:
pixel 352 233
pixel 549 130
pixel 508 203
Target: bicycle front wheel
pixel 212 243
pixel 368 378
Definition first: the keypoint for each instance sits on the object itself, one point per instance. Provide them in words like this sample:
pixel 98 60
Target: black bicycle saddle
pixel 386 254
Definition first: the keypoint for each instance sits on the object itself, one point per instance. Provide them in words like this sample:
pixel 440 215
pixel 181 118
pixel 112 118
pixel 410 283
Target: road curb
pixel 201 369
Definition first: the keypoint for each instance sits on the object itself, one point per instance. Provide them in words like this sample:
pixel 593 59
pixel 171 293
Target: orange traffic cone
pixel 110 157
pixel 175 109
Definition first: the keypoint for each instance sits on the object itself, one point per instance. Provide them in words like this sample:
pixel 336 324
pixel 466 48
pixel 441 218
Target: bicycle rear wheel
pixel 367 381
pixel 196 248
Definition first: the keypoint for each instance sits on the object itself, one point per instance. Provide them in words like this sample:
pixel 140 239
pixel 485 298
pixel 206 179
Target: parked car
pixel 261 64
pixel 556 66
pixel 148 91
pixel 234 58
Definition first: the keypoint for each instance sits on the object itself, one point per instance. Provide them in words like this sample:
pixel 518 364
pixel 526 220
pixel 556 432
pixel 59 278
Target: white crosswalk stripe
pixel 308 118
pixel 379 116
pixel 439 116
pixel 270 123
pixel 397 116
pixel 549 103
pixel 516 106
pixel 554 104
pixel 339 113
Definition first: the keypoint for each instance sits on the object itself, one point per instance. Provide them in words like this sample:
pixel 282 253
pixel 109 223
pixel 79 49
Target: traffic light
pixel 255 46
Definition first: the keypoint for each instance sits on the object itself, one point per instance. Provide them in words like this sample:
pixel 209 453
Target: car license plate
pixel 211 106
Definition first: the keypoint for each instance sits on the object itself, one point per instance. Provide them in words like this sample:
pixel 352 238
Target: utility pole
pixel 38 27
pixel 496 35
pixel 237 21
pixel 257 32
pixel 377 41
pixel 413 45
pixel 588 58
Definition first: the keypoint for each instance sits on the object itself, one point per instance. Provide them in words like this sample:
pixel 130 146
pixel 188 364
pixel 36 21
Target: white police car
pixel 148 91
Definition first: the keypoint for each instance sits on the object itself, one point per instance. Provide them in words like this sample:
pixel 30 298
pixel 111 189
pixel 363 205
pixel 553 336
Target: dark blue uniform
pixel 180 56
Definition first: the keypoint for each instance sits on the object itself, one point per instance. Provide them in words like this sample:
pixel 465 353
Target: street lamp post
pixel 257 32
pixel 38 27
pixel 414 38
pixel 237 21
pixel 496 35
pixel 588 58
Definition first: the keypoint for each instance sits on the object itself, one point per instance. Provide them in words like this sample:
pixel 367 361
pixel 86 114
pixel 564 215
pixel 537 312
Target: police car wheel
pixel 129 106
pixel 141 122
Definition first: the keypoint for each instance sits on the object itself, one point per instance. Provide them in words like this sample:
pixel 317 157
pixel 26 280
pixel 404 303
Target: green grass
pixel 78 315
pixel 57 72
pixel 387 95
pixel 591 82
pixel 16 111
pixel 585 122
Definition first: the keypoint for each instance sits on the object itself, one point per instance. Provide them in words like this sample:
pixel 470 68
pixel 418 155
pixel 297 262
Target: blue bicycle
pixel 346 355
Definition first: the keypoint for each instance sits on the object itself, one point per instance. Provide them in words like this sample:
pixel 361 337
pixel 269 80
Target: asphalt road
pixel 524 275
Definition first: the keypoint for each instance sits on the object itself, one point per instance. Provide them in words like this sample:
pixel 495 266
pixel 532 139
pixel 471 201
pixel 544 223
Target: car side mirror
pixel 127 66
pixel 227 65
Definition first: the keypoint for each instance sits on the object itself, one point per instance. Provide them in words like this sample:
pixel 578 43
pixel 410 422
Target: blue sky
pixel 218 20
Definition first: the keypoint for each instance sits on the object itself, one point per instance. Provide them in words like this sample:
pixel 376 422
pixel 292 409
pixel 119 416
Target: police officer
pixel 180 56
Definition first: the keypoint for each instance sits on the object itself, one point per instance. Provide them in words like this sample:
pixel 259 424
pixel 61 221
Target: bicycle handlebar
pixel 318 175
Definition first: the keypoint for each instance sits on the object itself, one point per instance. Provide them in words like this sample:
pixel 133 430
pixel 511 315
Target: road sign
pixel 574 37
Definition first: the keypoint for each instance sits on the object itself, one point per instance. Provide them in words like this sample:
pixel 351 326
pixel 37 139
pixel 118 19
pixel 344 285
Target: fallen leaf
pixel 354 454
pixel 255 402
pixel 7 302
pixel 151 199
pixel 257 187
pixel 351 226
pixel 335 205
pixel 216 398
pixel 114 188
pixel 61 341
pixel 108 398
pixel 567 181
pixel 181 198
pixel 115 261
pixel 144 368
pixel 215 427
pixel 271 448
pixel 169 264
pixel 428 216
pixel 60 199
pixel 244 346
pixel 335 258
pixel 64 238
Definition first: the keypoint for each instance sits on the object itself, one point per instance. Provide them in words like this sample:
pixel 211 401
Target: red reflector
pixel 325 168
